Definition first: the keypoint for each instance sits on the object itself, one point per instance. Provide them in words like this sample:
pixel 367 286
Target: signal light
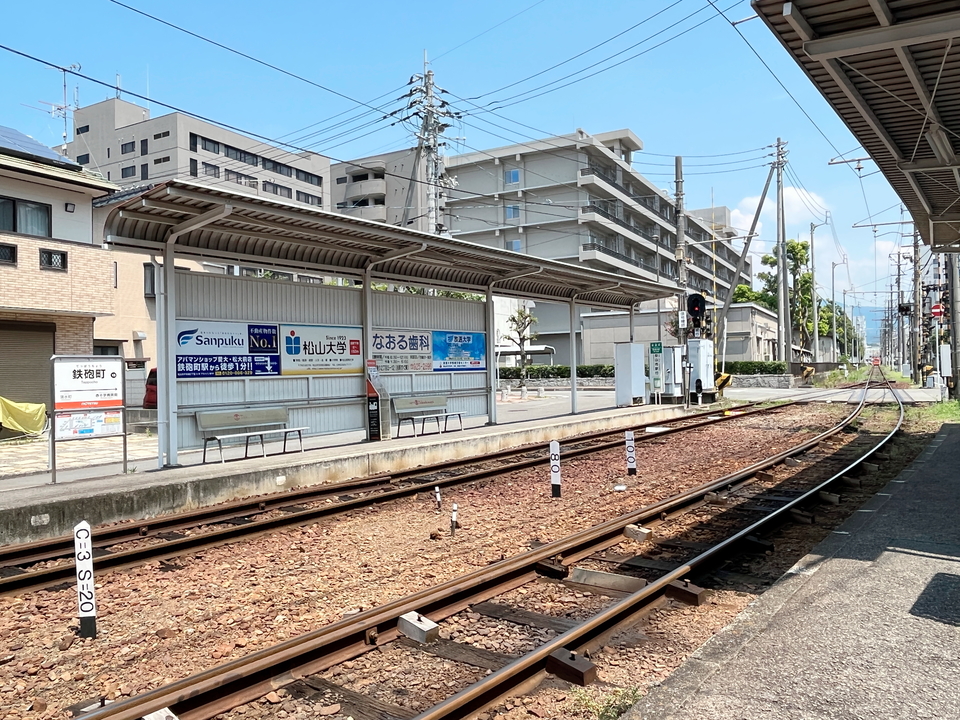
pixel 696 306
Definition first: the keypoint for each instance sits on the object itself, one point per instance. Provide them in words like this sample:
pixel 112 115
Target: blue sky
pixel 702 93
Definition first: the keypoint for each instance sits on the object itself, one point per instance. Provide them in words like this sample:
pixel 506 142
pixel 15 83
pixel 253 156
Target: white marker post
pixel 436 495
pixel 453 521
pixel 83 554
pixel 631 454
pixel 555 468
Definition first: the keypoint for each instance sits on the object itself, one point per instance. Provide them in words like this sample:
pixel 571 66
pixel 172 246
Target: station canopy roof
pixel 206 223
pixel 891 70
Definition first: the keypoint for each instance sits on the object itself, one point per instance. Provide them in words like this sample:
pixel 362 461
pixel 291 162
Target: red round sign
pixel 937 310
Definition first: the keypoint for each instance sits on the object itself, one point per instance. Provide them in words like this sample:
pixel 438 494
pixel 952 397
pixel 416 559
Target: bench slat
pixel 246 417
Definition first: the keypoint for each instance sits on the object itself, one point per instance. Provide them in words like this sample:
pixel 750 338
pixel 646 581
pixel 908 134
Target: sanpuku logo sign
pixel 209 340
pixel 225 349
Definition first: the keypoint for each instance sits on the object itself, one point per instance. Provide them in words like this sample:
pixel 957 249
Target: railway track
pixel 298 507
pixel 219 689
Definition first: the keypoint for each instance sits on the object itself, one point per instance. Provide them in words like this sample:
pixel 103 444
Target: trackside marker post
pixel 631 454
pixel 453 521
pixel 83 555
pixel 555 468
pixel 436 495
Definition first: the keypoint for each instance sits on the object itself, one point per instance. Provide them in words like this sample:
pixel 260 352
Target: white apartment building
pixel 123 143
pixel 389 188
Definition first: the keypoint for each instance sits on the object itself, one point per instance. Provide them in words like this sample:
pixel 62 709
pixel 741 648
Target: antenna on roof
pixel 118 85
pixel 62 110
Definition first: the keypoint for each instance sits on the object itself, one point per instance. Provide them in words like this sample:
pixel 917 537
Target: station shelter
pixel 229 342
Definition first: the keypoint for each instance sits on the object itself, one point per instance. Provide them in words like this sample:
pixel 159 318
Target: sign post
pixel 86 599
pixel 631 453
pixel 656 369
pixel 88 401
pixel 554 469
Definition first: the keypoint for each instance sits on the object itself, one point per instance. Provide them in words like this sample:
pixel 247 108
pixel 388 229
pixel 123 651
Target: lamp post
pixel 833 300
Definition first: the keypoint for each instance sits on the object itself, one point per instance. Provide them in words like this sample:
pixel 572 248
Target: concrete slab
pixel 866 626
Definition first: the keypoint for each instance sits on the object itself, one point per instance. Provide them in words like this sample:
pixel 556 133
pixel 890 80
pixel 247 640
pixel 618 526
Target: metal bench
pixel 433 407
pixel 215 421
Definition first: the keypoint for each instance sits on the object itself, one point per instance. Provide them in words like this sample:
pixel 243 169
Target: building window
pixel 8 254
pixel 241 155
pixel 106 350
pixel 53 259
pixel 211 170
pixel 165 133
pixel 82 129
pixel 83 159
pixel 149 280
pixel 304 176
pixel 341 205
pixel 513 245
pixel 193 142
pixel 143 146
pixel 116 274
pixel 193 168
pixel 365 202
pixel 511 177
pixel 280 190
pixel 128 147
pixel 145 171
pixel 165 158
pixel 379 176
pixel 342 180
pixel 108 153
pixel 308 198
pixel 360 177
pixel 512 212
pixel 210 145
pixel 278 168
pixel 240 178
pixel 128 171
pixel 23 216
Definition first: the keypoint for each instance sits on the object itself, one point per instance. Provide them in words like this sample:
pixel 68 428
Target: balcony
pixel 644 202
pixel 365 188
pixel 367 212
pixel 620 222
pixel 595 247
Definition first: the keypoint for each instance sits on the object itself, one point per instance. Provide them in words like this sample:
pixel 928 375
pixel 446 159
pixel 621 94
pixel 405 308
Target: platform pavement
pixel 912 395
pixel 26 463
pixel 865 626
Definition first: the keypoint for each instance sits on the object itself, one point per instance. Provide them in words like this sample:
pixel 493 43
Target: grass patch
pixel 608 706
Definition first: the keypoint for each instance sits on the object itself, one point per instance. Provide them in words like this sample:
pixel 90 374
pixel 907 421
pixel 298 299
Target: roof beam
pixel 912 32
pixel 882 11
pixel 920 166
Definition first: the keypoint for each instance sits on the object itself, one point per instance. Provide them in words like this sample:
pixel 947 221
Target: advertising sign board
pixel 321 350
pixel 459 351
pixel 403 350
pixel 90 423
pixel 208 349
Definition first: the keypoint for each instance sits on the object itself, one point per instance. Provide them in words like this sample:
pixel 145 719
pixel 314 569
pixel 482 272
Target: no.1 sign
pixel 86 600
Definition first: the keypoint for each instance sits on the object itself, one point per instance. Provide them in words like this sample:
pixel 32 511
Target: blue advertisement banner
pixel 459 351
pixel 208 349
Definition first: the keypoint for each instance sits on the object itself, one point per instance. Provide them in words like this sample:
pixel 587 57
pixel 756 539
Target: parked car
pixel 150 395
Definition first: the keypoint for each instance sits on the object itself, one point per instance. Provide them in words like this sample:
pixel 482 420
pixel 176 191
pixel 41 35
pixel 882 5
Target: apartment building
pixel 389 188
pixel 577 198
pixel 55 279
pixel 125 145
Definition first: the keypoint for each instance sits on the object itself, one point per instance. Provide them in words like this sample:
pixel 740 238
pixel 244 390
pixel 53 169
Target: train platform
pixel 865 626
pixel 909 395
pixel 32 508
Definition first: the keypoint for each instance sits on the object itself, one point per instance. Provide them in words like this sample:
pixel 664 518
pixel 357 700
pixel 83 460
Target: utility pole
pixel 953 283
pixel 682 281
pixel 784 331
pixel 813 298
pixel 917 314
pixel 432 113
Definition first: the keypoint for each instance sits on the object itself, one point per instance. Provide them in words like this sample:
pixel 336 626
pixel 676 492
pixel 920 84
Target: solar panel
pixel 25 146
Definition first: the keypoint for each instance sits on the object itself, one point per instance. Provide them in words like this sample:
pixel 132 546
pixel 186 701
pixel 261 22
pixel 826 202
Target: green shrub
pixel 542 372
pixel 756 367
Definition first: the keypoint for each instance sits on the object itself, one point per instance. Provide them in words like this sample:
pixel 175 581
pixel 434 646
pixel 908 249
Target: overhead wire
pixel 490 29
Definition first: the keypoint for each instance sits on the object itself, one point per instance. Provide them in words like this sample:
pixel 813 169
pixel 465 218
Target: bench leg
pixel 413 426
pixel 263 448
pixel 300 437
pixel 424 422
pixel 220 447
pixel 205 443
pixel 246 446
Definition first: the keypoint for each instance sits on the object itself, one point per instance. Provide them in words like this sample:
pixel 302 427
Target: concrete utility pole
pixel 917 313
pixel 682 277
pixel 953 283
pixel 784 331
pixel 813 296
pixel 432 113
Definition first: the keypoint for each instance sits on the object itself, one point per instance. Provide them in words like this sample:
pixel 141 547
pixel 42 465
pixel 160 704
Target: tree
pixel 520 332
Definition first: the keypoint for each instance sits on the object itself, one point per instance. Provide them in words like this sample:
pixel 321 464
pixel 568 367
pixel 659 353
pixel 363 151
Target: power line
pixel 580 54
pixel 242 54
pixel 502 22
pixel 502 104
pixel 796 102
pixel 729 154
